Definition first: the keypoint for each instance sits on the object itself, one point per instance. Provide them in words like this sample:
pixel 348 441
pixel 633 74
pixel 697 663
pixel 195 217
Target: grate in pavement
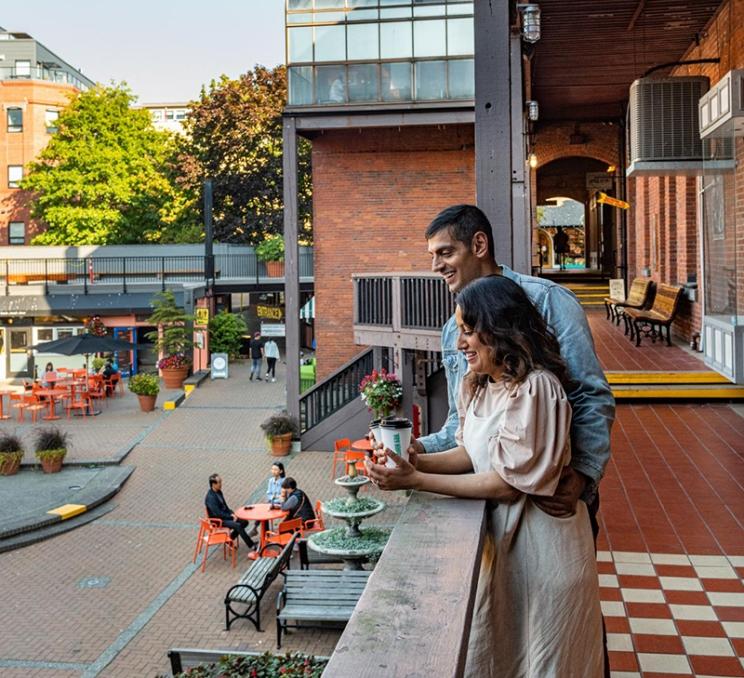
pixel 94 582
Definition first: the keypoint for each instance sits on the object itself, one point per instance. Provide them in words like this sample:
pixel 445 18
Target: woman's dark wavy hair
pixel 506 320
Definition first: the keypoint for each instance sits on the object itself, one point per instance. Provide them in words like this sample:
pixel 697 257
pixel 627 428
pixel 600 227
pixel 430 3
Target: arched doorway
pixel 561 215
pixel 565 188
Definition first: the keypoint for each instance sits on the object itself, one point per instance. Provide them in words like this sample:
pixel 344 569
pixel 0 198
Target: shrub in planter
pixel 146 387
pixel 98 364
pixel 266 665
pixel 173 338
pixel 271 251
pixel 226 331
pixel 50 447
pixel 11 454
pixel 279 429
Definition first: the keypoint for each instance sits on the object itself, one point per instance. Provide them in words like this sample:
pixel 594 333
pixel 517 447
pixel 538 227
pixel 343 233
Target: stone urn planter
pixel 173 377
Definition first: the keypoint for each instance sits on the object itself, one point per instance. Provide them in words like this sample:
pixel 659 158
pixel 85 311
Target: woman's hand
pixel 401 477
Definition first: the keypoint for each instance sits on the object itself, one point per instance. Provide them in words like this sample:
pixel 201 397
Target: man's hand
pixel 402 477
pixel 414 450
pixel 563 503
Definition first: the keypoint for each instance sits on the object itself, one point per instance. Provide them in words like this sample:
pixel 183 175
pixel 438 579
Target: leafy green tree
pixel 234 137
pixel 226 331
pixel 107 176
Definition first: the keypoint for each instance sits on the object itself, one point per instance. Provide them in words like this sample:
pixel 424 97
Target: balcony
pixel 352 52
pixel 48 74
pixel 401 310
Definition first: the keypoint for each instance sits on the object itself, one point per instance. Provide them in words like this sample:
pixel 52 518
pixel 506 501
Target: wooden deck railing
pixel 413 618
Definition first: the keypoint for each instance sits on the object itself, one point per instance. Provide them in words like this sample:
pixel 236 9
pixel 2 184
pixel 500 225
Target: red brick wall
pixel 374 193
pixel 552 142
pixel 20 148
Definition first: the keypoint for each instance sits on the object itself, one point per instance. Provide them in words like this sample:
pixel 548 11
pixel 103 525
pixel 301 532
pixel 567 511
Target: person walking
pixel 256 349
pixel 271 351
pixel 560 245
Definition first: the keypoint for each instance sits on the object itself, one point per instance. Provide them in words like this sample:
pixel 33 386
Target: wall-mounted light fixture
pixel 530 13
pixel 532 160
pixel 611 169
pixel 533 110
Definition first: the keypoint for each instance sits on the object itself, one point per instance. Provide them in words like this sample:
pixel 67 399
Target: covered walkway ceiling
pixel 590 52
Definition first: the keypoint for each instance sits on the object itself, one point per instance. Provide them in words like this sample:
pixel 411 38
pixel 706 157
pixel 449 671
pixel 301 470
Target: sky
pixel 164 49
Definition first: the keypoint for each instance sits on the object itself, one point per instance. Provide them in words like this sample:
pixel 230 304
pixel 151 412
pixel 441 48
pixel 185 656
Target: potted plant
pixel 98 363
pixel 382 392
pixel 271 252
pixel 291 665
pixel 11 454
pixel 50 448
pixel 146 387
pixel 172 338
pixel 279 429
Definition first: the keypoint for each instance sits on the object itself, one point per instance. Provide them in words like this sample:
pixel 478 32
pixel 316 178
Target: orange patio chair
pixel 28 403
pixel 81 402
pixel 354 457
pixel 317 524
pixel 97 388
pixel 211 533
pixel 284 532
pixel 340 447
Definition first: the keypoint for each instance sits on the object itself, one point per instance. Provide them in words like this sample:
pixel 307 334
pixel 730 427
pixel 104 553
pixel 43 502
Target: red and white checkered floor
pixel 673 614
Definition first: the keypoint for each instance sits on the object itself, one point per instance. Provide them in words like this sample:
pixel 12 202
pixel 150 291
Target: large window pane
pixel 300 44
pixel 328 17
pixel 395 40
pixel 15 120
pixel 429 39
pixel 330 43
pixel 300 4
pixel 460 35
pixel 396 82
pixel 459 8
pixel 431 80
pixel 396 13
pixel 363 42
pixel 330 84
pixel 429 10
pixel 300 85
pixel 461 79
pixel 327 4
pixel 361 15
pixel 363 82
pixel 15 174
pixel 362 3
pixel 22 68
pixel 17 233
pixel 303 18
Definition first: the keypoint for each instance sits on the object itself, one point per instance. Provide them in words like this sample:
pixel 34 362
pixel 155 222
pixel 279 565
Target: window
pixel 362 42
pixel 396 82
pixel 45 334
pixel 395 40
pixel 22 68
pixel 181 114
pixel 429 39
pixel 330 43
pixel 300 85
pixel 50 120
pixel 300 44
pixel 157 115
pixel 16 233
pixel 363 82
pixel 461 79
pixel 63 333
pixel 15 174
pixel 169 115
pixel 15 120
pixel 431 80
pixel 331 84
pixel 460 37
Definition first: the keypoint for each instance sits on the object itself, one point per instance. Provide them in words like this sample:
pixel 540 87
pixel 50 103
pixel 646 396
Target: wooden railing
pixel 414 616
pixel 331 394
pixel 405 310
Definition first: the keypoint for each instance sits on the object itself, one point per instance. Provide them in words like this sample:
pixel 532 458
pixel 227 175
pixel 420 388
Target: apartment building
pixel 35 85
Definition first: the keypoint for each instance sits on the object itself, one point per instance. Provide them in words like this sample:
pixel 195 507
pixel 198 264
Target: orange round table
pixel 363 445
pixel 4 392
pixel 50 393
pixel 262 514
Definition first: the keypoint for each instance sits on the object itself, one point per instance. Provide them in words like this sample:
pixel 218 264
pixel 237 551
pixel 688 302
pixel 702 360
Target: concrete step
pixel 661 377
pixel 666 392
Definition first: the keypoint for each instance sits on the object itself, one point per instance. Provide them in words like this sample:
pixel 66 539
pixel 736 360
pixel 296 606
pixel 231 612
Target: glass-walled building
pixel 342 52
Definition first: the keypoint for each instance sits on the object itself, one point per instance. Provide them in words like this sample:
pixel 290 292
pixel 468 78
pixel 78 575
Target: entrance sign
pixel 617 289
pixel 219 365
pixel 599 181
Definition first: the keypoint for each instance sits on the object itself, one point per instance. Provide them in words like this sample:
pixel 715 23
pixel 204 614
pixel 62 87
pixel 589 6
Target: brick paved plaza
pixel 671 550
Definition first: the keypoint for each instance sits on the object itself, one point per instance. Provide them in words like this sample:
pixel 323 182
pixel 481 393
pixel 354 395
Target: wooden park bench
pixel 26 278
pixel 639 297
pixel 252 586
pixel 318 597
pixel 660 315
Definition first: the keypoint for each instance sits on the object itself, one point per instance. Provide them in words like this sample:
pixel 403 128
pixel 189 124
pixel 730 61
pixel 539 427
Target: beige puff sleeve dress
pixel 537 610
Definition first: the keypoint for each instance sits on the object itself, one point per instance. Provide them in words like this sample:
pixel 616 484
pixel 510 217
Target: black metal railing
pixel 124 271
pixel 426 303
pixel 374 301
pixel 331 394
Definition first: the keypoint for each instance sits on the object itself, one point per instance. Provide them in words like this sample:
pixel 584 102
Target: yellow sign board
pixel 270 312
pixel 201 316
pixel 613 202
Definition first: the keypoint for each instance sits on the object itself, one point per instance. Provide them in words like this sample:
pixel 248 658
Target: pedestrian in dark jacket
pixel 296 501
pixel 217 508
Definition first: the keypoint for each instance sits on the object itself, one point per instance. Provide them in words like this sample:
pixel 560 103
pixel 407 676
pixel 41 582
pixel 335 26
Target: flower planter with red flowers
pixel 174 370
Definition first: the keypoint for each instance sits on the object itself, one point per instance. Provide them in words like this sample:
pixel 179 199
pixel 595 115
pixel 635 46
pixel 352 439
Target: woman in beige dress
pixel 537 610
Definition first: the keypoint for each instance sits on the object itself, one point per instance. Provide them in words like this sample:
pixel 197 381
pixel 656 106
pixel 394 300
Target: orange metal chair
pixel 97 388
pixel 284 532
pixel 211 533
pixel 81 402
pixel 354 457
pixel 317 524
pixel 114 380
pixel 340 447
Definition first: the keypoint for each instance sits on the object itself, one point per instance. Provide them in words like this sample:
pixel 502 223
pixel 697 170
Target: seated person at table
pixel 217 508
pixel 274 489
pixel 109 370
pixel 49 372
pixel 296 502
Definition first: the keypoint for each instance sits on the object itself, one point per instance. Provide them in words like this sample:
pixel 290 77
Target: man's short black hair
pixel 213 479
pixel 290 483
pixel 463 222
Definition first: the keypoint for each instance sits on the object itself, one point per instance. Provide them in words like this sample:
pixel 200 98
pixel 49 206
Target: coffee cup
pixel 374 428
pixel 396 436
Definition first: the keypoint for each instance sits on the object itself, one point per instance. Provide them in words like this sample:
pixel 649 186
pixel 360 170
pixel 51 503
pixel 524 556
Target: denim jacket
pixel 591 398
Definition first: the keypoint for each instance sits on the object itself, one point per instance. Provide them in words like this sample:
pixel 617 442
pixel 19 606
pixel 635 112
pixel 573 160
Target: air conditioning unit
pixel 722 108
pixel 663 127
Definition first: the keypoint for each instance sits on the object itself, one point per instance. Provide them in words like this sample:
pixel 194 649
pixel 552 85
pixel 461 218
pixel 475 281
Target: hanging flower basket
pixel 381 392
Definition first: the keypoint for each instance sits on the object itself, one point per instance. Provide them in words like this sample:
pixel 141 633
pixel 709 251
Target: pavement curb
pixel 189 384
pixel 100 489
